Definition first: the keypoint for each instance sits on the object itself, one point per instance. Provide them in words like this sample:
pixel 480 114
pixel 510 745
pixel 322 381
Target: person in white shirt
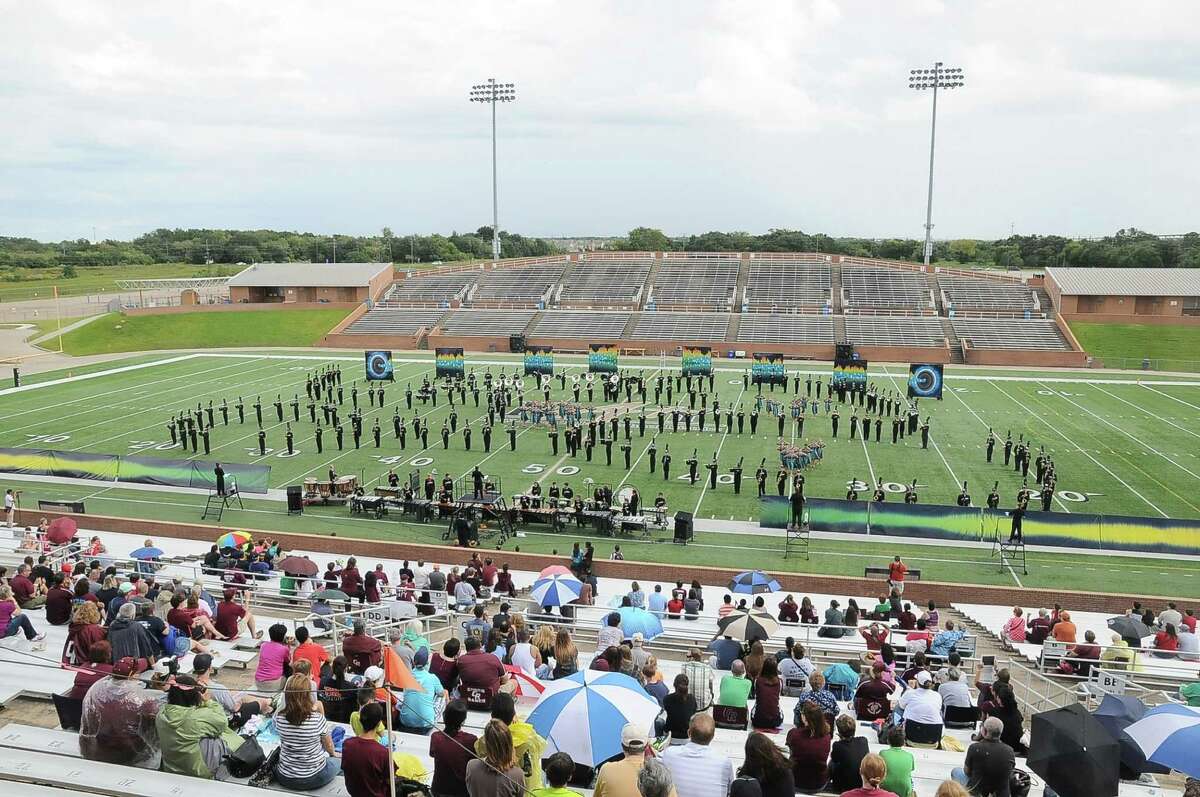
pixel 922 708
pixel 610 634
pixel 1189 644
pixel 954 691
pixel 793 669
pixel 421 576
pixel 700 678
pixel 697 770
pixel 524 655
pixel 1170 615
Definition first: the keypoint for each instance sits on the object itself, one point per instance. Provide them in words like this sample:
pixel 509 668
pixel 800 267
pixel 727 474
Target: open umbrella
pixel 583 714
pixel 233 539
pixel 555 590
pixel 330 595
pixel 1116 713
pixel 639 621
pixel 1129 627
pixel 748 626
pixel 297 566
pixel 61 530
pixel 527 685
pixel 146 553
pixel 555 570
pixel 1074 753
pixel 1170 735
pixel 753 582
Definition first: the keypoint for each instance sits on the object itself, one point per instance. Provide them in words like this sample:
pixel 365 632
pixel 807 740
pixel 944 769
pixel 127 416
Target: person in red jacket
pixel 352 582
pixel 361 650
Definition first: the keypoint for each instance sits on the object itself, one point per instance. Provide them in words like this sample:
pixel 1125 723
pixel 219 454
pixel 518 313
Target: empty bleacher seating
pixel 770 328
pixel 779 285
pixel 485 323
pixel 430 289
pixel 1036 335
pixel 864 287
pixel 891 331
pixel 394 321
pixel 684 326
pixel 579 324
pixel 522 285
pixel 966 295
pixel 696 282
pixel 605 282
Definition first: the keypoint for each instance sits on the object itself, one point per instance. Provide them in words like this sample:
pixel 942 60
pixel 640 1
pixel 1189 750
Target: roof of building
pixel 1126 281
pixel 308 275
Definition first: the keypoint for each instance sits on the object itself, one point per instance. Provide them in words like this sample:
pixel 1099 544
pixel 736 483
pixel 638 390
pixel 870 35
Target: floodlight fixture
pixel 493 92
pixel 940 77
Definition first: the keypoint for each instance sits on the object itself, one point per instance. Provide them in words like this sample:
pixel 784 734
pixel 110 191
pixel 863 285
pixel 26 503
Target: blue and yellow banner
pixel 766 368
pixel 696 360
pixel 539 360
pixel 448 362
pixel 602 358
pixel 132 469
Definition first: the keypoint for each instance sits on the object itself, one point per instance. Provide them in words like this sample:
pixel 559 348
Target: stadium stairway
pixel 533 322
pixel 839 328
pixel 932 283
pixel 835 291
pixel 956 352
pixel 1044 302
pixel 627 330
pixel 739 291
pixel 655 265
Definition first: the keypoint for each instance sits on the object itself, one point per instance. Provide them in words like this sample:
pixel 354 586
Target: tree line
pixel 1130 248
pixel 201 246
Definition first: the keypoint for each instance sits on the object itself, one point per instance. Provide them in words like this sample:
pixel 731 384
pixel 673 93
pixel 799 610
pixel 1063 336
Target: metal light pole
pixel 937 78
pixel 492 93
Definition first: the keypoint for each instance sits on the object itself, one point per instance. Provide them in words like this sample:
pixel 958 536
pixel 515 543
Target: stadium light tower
pixel 492 93
pixel 940 77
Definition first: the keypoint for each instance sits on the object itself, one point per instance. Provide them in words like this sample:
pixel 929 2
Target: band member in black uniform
pixel 990 443
pixel 279 408
pixel 741 418
pixel 653 452
pixel 258 409
pixel 736 471
pixel 626 450
pixel 779 423
pixel 208 411
pixel 339 433
pixel 895 429
pixel 1008 447
pixel 192 435
pixel 852 493
pixel 608 441
pixel 834 420
pixel 1047 494
pixel 754 421
pixel 878 429
pixel 692 466
pixel 964 498
pixel 781 482
pixel 512 437
pixel 171 429
pixel 993 499
pixel 262 443
pixel 925 433
pixel 353 395
pixel 553 435
pixel 853 426
pixel 356 430
pixel 760 478
pixel 445 433
pixel 317 433
pixel 204 438
pixel 910 493
pixel 666 463
pixel 879 495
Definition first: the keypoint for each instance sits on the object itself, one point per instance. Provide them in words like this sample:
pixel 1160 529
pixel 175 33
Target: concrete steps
pixel 835 287
pixel 956 352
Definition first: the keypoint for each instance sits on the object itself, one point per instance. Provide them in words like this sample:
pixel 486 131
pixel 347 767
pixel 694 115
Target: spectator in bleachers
pixel 931 615
pixel 871 772
pixel 767 685
pixel 1189 643
pixel 1081 658
pixel 922 708
pixel 58 601
pixel 917 663
pixel 1003 706
pixel 818 694
pixel 566 655
pixel 674 607
pixel 954 691
pixel 307 759
pixel 940 676
pixel 417 710
pixel 637 598
pixel 607 660
pixel 83 632
pixel 906 620
pixel 919 639
pixel 989 764
pixel 1118 655
pixel 679 707
pixel 13 620
pixel 118 718
pixel 725 651
pixel 362 649
pixel 789 610
pixel 699 771
pixel 656 602
pixel 754 660
pixel 1166 642
pixel 99 666
pixel 312 652
pixel 766 765
pixel 1063 629
pixel 229 615
pixel 131 639
pixel 619 778
pixel 480 670
pixel 497 771
pixel 794 668
pixel 950 788
pixel 272 656
pixel 883 609
pixel 559 769
pixel 834 620
pixel 1189 620
pixel 528 746
pixel 451 749
pixel 808 612
pixel 28 592
pixel 944 642
pixel 900 765
pixel 504 583
pixel 655 687
pixel 1039 628
pixel 842 678
pixel 1014 629
pixel 193 731
pixel 876 635
pixel 231 702
pixel 871 699
pixel 845 757
pixel 699 672
pixel 477 626
pixel 1169 616
pixel 1191 693
pixel 364 760
pixel 735 687
pixel 726 607
pixel 809 744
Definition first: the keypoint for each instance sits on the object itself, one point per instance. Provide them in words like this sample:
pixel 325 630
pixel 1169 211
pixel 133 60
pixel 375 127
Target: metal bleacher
pixel 486 323
pixel 696 282
pixel 967 294
pixel 520 285
pixel 431 289
pixel 892 331
pixel 395 321
pixel 769 328
pixel 682 326
pixel 864 287
pixel 605 283
pixel 579 323
pixel 779 285
pixel 1035 335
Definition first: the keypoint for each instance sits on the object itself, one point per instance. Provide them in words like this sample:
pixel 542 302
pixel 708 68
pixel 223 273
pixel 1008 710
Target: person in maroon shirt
pixel 445 664
pixel 365 651
pixel 872 700
pixel 789 610
pixel 364 760
pixel 229 612
pixel 809 745
pixel 451 750
pixel 26 593
pixel 766 697
pixel 58 602
pixel 479 669
pixel 907 621
pixel 99 666
pixel 487 573
pixel 352 582
pixel 504 583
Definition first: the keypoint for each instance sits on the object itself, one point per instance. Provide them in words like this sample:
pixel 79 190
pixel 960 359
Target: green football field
pixel 1122 444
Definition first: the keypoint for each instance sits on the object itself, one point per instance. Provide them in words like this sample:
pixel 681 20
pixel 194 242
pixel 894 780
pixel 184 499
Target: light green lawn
pixel 1177 346
pixel 38 283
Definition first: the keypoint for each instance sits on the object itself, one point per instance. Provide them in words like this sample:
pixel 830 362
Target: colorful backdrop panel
pixel 696 360
pixel 539 360
pixel 602 358
pixel 448 362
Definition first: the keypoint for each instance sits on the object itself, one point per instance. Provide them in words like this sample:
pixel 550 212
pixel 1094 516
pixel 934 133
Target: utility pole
pixel 492 93
pixel 939 77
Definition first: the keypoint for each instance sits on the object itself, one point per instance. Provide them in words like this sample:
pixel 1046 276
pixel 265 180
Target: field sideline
pixel 1123 444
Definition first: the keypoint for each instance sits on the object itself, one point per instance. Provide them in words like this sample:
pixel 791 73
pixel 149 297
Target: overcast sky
pixel 1077 118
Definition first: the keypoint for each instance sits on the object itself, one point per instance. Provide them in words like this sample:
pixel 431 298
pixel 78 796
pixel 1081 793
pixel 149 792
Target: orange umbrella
pixel 396 673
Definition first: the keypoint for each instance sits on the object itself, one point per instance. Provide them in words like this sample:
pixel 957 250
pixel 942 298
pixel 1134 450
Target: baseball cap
pixel 126 587
pixel 421 657
pixel 125 666
pixel 373 674
pixel 632 738
pixel 923 678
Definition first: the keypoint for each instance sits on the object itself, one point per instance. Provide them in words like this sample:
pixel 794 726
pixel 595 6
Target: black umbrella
pixel 1074 753
pixel 1129 627
pixel 1116 713
pixel 748 626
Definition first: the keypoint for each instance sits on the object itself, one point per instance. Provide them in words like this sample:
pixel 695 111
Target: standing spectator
pixel 765 764
pixel 680 707
pixel 307 759
pixel 352 581
pixel 451 749
pixel 272 656
pixel 846 756
pixel 989 763
pixel 364 760
pixel 900 765
pixel 896 572
pixel 766 697
pixel 361 649
pixel 496 773
pixel 944 642
pixel 809 743
pixel 697 770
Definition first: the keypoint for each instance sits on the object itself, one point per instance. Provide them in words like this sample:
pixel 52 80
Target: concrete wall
pixel 651 572
pixel 300 294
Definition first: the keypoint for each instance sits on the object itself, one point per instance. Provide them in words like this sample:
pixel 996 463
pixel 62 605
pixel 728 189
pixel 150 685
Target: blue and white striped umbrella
pixel 753 582
pixel 583 714
pixel 639 621
pixel 1170 735
pixel 556 590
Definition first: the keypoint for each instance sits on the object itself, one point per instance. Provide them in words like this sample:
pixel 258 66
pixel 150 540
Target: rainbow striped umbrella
pixel 233 539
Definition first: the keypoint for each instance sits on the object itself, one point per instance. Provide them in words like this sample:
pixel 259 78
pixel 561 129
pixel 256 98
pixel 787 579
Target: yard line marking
pixel 94 375
pixel 1151 414
pixel 1082 451
pixel 645 448
pixel 1134 438
pixel 1168 395
pixel 721 445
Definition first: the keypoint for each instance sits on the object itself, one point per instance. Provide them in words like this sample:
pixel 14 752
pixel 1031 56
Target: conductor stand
pixel 1009 547
pixel 796 541
pixel 218 500
pixel 475 519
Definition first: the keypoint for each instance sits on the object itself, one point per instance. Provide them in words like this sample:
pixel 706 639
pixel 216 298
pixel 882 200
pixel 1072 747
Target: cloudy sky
pixel 1077 117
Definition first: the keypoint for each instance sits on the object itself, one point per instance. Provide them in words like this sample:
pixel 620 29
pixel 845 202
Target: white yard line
pixel 95 375
pixel 1098 463
pixel 1148 412
pixel 1168 395
pixel 721 445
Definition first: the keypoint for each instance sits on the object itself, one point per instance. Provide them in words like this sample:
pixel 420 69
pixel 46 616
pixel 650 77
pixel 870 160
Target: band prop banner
pixel 131 469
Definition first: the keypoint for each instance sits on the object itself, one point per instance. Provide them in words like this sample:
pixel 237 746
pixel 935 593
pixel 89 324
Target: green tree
pixel 646 239
pixel 964 250
pixel 69 272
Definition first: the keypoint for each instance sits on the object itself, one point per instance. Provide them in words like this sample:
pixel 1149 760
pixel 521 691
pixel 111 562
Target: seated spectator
pixel 1118 655
pixel 656 602
pixel 674 608
pixel 229 615
pixel 789 610
pixel 700 678
pixel 497 771
pixel 131 639
pixel 566 655
pixel 989 764
pixel 834 622
pixel 1190 693
pixel 1064 629
pixel 809 744
pixel 1189 644
pixel 906 620
pixel 364 760
pixel 919 639
pixel 1168 616
pixel 58 601
pixel 954 691
pixel 480 670
pixel 361 649
pixel 451 749
pixel 882 610
pixel 13 620
pixel 845 756
pixel 1039 628
pixel 193 731
pixel 310 651
pixel 118 718
pixel 528 746
pixel 559 769
pixel 417 712
pixel 307 759
pixel 697 769
pixel 943 674
pixel 842 678
pixel 944 642
pixel 1166 642
pixel 619 777
pixel 735 687
pixel 272 656
pixel 1014 629
pixel 29 591
pixel 922 707
pixel 478 626
pixel 818 694
pixel 754 660
pixel 637 598
pixel 767 686
pixel 679 707
pixel 231 702
pixel 1003 706
pixel 876 635
pixel 900 765
pixel 795 668
pixel 725 651
pixel 654 686
pixel 99 666
pixel 610 635
pixel 444 664
pixel 766 765
pixel 871 773
pixel 1081 658
pixel 692 605
pixel 873 696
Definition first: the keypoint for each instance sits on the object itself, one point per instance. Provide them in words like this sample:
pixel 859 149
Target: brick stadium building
pixel 306 283
pixel 1141 295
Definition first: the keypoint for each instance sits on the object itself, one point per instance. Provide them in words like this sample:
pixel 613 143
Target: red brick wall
pixel 650 572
